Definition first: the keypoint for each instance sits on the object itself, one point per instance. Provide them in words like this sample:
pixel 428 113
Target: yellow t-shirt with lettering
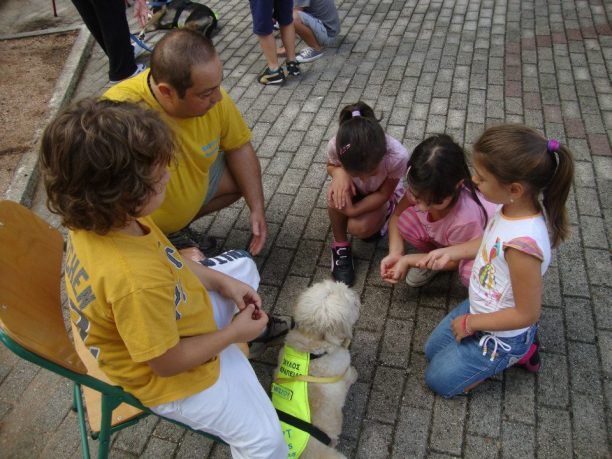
pixel 133 298
pixel 199 141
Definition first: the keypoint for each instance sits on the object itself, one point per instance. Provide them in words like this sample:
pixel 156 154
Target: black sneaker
pixel 275 332
pixel 187 238
pixel 342 265
pixel 293 68
pixel 270 77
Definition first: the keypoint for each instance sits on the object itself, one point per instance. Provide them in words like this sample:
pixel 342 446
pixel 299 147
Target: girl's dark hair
pixel 517 153
pixel 436 168
pixel 360 142
pixel 99 162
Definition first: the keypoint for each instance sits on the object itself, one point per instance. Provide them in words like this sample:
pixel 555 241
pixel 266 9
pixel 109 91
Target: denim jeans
pixel 453 366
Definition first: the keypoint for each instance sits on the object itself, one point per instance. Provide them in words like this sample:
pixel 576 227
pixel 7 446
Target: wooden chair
pixel 32 325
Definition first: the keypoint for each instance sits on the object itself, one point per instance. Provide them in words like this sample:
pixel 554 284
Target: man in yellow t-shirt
pixel 215 162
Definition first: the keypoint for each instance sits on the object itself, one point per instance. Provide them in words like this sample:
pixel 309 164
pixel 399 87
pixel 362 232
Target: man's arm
pixel 244 166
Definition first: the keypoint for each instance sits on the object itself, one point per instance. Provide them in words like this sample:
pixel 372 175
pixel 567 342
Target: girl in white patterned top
pixel 495 328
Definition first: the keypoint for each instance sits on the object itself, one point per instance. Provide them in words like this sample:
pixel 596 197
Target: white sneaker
pixel 308 55
pixel 139 69
pixel 418 277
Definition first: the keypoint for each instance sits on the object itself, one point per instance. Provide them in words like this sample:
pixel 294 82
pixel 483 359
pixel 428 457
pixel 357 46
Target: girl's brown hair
pixel 517 153
pixel 99 161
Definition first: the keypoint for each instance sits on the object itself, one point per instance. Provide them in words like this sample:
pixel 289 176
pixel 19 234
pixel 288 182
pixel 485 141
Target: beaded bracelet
pixel 466 328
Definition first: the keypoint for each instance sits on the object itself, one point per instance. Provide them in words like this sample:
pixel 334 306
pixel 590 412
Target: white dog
pixel 317 347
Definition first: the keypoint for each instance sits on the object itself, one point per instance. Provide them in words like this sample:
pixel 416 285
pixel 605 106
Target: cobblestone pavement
pixel 426 67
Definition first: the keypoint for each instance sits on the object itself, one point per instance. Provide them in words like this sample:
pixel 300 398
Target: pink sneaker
pixel 531 361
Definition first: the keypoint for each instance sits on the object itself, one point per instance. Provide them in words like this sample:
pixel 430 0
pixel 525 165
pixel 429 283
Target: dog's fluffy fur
pixel 324 318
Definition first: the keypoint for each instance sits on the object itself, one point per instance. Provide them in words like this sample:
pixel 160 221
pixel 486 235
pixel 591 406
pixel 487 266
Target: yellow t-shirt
pixel 132 299
pixel 199 141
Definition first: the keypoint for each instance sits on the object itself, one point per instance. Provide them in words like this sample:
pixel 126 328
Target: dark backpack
pixel 185 14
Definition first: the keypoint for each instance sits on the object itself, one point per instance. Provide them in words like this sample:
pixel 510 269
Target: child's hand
pixel 141 11
pixel 246 326
pixel 401 267
pixel 436 259
pixel 341 190
pixel 240 293
pixel 386 266
pixel 458 328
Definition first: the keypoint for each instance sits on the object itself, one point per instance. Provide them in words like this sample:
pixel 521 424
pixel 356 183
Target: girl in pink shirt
pixel 367 167
pixel 441 208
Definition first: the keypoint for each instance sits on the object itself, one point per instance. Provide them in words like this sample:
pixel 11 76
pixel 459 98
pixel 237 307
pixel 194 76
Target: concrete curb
pixel 24 180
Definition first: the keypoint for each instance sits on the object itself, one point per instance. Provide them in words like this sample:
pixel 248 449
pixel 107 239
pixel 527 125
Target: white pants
pixel 235 408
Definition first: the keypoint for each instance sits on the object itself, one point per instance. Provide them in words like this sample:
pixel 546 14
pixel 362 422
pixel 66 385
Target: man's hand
pixel 260 233
pixel 141 11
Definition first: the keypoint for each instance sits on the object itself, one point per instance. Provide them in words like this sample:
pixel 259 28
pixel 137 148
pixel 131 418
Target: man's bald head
pixel 176 54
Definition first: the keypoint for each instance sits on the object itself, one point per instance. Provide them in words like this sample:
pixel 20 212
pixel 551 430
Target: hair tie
pixel 552 146
pixel 355 113
pixel 344 149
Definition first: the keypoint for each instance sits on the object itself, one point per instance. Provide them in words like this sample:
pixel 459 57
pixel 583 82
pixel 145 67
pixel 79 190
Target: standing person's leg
pixel 283 13
pixel 268 47
pixel 262 13
pixel 87 12
pixel 116 34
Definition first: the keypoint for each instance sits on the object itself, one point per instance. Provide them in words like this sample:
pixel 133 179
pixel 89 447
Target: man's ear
pixel 166 90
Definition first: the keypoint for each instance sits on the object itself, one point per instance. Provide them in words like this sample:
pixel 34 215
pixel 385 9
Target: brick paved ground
pixel 427 67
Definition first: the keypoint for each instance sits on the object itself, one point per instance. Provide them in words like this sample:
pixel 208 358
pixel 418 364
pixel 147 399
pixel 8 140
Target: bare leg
pixel 288 38
pixel 268 47
pixel 227 193
pixel 368 224
pixel 305 32
pixel 338 223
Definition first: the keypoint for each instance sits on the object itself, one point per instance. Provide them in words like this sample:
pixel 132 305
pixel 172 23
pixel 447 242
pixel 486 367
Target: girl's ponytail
pixel 555 193
pixel 360 142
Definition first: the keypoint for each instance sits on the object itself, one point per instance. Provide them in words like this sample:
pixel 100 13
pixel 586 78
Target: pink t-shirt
pixel 464 222
pixel 393 165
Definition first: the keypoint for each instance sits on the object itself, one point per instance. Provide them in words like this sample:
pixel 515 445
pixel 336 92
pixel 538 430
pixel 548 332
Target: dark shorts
pixel 264 10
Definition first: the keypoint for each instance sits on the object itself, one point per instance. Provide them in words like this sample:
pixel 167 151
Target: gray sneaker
pixel 418 277
pixel 308 55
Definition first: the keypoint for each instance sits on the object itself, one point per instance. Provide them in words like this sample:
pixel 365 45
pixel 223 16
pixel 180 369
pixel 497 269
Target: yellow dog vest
pixel 292 397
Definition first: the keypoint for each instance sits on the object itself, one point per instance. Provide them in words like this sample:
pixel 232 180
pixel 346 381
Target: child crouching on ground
pixel 530 178
pixel 367 167
pixel 441 207
pixel 160 326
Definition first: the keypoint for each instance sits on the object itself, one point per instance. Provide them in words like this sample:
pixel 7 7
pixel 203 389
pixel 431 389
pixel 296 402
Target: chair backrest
pixel 31 313
pixel 30 272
